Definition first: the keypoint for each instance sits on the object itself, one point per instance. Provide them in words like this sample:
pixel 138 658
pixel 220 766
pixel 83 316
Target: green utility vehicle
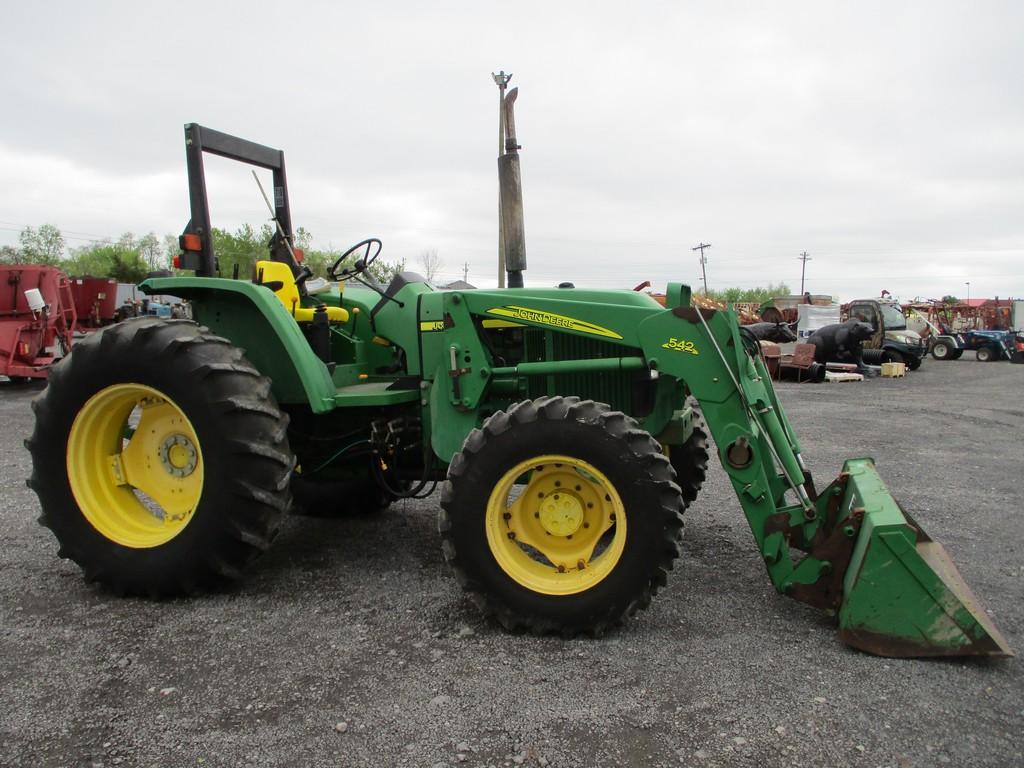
pixel 166 452
pixel 892 341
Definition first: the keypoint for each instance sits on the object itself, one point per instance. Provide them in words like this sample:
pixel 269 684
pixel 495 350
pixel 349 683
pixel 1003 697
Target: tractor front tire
pixel 944 350
pixel 535 513
pixel 160 458
pixel 985 355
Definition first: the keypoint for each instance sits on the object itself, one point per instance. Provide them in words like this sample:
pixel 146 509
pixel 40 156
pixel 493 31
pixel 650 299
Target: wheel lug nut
pixel 581 565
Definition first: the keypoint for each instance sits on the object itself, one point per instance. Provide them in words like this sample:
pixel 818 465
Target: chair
pixel 279 272
pixel 800 363
pixel 772 355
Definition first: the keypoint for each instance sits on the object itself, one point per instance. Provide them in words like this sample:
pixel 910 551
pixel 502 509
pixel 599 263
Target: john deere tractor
pixel 558 419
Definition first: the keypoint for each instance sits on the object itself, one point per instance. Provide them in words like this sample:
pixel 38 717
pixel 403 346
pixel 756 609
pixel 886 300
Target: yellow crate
pixel 894 370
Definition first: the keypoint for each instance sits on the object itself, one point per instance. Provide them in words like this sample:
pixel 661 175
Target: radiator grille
pixel 614 388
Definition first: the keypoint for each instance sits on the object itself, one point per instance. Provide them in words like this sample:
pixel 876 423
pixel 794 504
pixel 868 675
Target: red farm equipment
pixel 95 301
pixel 37 319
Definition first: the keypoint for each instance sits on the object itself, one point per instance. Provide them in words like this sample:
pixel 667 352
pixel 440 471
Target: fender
pixel 253 319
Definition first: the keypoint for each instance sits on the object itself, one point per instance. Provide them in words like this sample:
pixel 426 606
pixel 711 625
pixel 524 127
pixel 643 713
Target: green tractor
pixel 562 422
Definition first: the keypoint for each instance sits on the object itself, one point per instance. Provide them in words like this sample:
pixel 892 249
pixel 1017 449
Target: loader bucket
pixel 902 594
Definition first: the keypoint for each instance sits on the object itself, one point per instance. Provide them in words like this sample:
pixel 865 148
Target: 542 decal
pixel 681 345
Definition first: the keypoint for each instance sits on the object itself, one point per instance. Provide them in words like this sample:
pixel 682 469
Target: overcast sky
pixel 885 139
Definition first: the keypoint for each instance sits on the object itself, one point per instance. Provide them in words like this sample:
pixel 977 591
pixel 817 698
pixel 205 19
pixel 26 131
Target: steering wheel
pixel 361 265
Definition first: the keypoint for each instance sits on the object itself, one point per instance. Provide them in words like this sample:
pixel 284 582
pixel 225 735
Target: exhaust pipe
pixel 510 186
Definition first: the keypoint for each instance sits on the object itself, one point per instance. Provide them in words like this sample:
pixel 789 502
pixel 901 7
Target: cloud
pixel 882 139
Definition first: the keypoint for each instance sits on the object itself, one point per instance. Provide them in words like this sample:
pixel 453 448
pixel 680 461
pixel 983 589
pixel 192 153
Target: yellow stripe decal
pixel 432 325
pixel 549 318
pixel 501 324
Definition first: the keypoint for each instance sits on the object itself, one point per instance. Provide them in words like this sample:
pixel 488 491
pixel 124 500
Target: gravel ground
pixel 350 644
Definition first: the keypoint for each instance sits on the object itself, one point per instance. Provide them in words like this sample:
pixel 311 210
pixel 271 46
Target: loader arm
pixel 848 549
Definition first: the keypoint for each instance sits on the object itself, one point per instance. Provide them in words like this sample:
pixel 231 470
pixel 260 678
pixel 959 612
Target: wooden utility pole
pixel 501 79
pixel 465 272
pixel 804 257
pixel 703 261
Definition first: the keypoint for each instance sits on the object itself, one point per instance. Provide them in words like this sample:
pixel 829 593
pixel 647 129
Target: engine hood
pixel 912 338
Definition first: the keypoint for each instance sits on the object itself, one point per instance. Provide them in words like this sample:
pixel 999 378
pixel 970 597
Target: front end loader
pixel 568 427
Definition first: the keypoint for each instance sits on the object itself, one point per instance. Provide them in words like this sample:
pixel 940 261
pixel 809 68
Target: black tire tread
pixel 247 414
pixel 638 448
pixel 690 462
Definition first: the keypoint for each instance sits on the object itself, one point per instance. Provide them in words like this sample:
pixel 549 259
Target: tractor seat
pixel 288 293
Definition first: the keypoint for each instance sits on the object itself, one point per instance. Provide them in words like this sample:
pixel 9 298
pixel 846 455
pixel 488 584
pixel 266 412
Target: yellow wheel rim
pixel 134 465
pixel 555 525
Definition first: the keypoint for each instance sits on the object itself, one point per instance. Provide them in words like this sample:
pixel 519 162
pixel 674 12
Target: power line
pixel 804 257
pixel 703 261
pixel 65 234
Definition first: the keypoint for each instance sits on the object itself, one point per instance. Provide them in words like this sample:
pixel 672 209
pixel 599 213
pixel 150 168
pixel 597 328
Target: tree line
pixel 750 295
pixel 130 259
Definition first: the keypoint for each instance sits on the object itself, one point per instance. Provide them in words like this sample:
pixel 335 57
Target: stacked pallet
pixel 837 376
pixel 894 370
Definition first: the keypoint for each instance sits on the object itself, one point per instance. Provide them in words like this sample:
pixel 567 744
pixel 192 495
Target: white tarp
pixel 811 317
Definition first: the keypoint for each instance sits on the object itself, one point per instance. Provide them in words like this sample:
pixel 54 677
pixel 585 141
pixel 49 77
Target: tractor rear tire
pixel 160 458
pixel 588 472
